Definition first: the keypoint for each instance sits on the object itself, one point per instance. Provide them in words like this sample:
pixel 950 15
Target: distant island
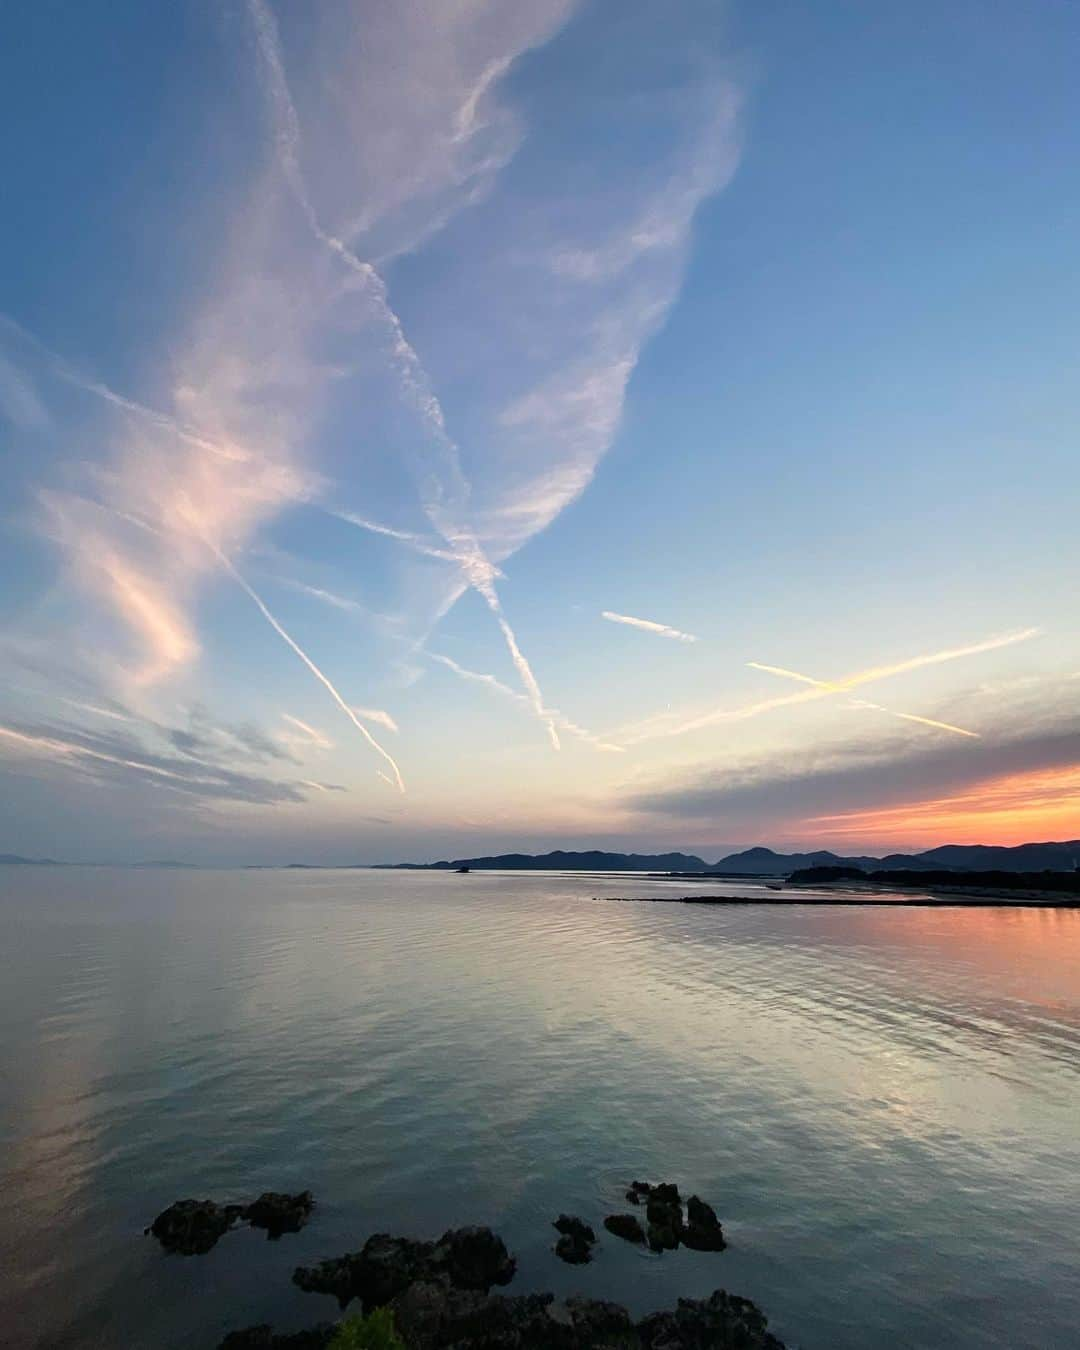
pixel 764 862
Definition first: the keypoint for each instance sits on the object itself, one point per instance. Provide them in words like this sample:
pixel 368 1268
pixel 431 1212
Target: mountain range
pixel 1054 857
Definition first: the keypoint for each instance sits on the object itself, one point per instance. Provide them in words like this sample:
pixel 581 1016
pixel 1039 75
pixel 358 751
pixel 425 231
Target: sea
pixel 882 1105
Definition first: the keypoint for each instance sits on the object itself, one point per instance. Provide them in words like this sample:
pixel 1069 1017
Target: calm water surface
pixel 882 1106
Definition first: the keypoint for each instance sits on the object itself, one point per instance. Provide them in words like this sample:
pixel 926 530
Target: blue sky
pixel 365 366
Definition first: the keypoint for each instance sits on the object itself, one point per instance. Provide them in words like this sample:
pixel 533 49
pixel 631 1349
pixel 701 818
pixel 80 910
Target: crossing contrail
pixel 463 543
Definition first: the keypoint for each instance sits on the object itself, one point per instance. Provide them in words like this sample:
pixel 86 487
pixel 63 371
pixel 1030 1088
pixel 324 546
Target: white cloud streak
pixel 678 724
pixel 324 680
pixel 560 720
pixel 648 626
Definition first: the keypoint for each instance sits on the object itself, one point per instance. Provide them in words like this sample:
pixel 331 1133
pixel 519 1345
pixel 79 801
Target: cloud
pixel 678 724
pixel 870 780
pixel 123 760
pixel 309 733
pixel 322 678
pixel 377 715
pixel 294 379
pixel 660 629
pixel 557 718
pixel 205 736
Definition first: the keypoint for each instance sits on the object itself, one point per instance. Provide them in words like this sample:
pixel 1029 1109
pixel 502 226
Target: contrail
pixel 225 562
pixel 666 724
pixel 466 547
pixel 831 687
pixel 661 629
pixel 913 717
pixel 562 722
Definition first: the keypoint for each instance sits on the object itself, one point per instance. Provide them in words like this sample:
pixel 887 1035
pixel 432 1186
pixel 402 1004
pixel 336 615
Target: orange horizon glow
pixel 1011 809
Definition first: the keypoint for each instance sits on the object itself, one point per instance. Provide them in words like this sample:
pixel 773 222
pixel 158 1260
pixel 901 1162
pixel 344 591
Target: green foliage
pixel 373 1332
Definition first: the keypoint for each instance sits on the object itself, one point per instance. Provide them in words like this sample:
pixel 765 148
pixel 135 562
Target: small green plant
pixel 373 1332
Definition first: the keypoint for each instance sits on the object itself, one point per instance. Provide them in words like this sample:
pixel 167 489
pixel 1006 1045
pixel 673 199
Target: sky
pixel 436 429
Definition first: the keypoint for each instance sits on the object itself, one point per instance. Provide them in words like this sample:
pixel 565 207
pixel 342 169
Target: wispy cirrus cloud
pixel 310 734
pixel 648 626
pixel 295 379
pixel 125 760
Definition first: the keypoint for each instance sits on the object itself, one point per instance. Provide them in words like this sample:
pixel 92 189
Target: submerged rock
pixel 702 1231
pixel 575 1245
pixel 464 1258
pixel 625 1226
pixel 193 1227
pixel 279 1212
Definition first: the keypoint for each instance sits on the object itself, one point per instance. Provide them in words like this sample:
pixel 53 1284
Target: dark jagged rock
pixel 263 1338
pixel 280 1213
pixel 664 1213
pixel 474 1258
pixel 383 1268
pixel 596 1322
pixel 625 1226
pixel 466 1258
pixel 702 1231
pixel 723 1321
pixel 193 1227
pixel 575 1245
pixel 434 1316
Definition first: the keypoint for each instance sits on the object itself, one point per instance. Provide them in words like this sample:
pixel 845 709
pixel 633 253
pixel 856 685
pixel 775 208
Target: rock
pixel 434 1316
pixel 474 1258
pixel 667 1192
pixel 263 1338
pixel 280 1213
pixel 193 1227
pixel 633 1196
pixel 575 1246
pixel 625 1226
pixel 383 1268
pixel 702 1231
pixel 722 1320
pixel 664 1214
pixel 597 1323
pixel 464 1258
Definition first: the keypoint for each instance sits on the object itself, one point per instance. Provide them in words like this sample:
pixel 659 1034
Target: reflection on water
pixel 881 1104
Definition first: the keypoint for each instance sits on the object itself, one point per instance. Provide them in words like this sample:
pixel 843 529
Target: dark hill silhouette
pixel 1063 856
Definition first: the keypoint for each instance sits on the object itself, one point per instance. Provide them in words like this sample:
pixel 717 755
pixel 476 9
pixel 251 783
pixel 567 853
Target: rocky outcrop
pixel 723 1321
pixel 263 1337
pixel 193 1227
pixel 702 1231
pixel 278 1212
pixel 663 1209
pixel 431 1315
pixel 468 1259
pixel 667 1229
pixel 576 1243
pixel 626 1226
